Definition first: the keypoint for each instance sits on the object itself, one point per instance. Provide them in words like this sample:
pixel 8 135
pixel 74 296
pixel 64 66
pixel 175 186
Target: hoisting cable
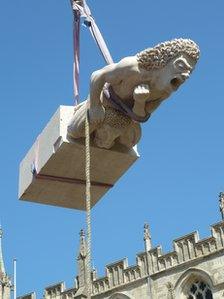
pixel 76 49
pixel 81 9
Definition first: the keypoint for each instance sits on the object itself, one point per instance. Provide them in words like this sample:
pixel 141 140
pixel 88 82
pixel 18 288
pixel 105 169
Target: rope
pixel 88 207
pixel 81 9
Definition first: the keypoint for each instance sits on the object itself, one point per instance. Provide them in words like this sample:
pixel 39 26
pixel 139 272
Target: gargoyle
pixel 124 94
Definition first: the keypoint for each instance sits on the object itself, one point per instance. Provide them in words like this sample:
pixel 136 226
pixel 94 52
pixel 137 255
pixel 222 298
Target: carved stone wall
pixel 54 291
pixel 167 276
pixel 28 296
pixel 189 252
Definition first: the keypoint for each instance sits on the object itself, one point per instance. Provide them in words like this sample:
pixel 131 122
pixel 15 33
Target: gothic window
pixel 199 290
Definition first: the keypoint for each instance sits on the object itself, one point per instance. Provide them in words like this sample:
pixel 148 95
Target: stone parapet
pixel 54 291
pixel 28 296
pixel 186 249
pixel 69 293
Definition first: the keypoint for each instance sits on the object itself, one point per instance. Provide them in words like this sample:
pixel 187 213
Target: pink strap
pixel 69 180
pixel 76 46
pixel 34 165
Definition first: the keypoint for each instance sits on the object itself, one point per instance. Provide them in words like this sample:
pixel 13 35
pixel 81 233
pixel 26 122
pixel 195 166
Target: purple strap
pixel 81 9
pixel 118 104
pixel 76 46
pixel 96 33
pixel 84 11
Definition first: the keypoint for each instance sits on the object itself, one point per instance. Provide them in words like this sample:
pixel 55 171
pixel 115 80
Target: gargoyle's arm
pixel 98 79
pixel 113 74
pixel 143 105
pixel 141 94
pixel 152 106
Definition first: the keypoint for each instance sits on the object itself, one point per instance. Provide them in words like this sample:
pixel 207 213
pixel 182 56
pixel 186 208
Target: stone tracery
pixel 199 290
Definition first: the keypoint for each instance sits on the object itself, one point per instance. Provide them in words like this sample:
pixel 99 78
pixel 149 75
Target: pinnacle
pixel 2 266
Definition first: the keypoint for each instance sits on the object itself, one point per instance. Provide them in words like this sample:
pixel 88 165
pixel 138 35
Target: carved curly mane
pixel 161 54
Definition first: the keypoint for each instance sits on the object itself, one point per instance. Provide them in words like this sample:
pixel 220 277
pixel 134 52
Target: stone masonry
pixel 193 269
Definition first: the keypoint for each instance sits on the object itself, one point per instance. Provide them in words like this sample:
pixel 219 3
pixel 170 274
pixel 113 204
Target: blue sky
pixel 174 185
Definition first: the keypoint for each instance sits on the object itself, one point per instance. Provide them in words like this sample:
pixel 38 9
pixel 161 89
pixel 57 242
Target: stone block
pixel 60 167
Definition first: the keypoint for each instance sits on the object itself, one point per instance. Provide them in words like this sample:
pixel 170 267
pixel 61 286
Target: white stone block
pixel 60 163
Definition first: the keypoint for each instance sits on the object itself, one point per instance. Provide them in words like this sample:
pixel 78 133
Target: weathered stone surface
pixel 60 167
pixel 124 94
pixel 5 280
pixel 28 296
pixel 156 275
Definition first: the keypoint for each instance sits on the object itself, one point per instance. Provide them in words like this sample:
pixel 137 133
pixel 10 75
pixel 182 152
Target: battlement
pixel 28 296
pixel 54 290
pixel 185 249
pixel 153 262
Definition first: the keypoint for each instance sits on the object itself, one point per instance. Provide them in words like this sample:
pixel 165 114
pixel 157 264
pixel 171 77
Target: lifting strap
pixel 81 9
pixel 119 105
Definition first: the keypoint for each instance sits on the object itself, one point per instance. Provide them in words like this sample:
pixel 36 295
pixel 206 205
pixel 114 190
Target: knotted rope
pixel 81 9
pixel 88 208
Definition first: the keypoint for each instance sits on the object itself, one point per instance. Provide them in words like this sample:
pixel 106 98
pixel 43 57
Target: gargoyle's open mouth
pixel 176 82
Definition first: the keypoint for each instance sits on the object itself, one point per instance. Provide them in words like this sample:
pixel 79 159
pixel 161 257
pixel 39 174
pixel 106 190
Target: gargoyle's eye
pixel 181 65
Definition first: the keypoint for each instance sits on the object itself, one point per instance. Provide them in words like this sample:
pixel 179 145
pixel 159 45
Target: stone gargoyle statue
pixel 124 94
